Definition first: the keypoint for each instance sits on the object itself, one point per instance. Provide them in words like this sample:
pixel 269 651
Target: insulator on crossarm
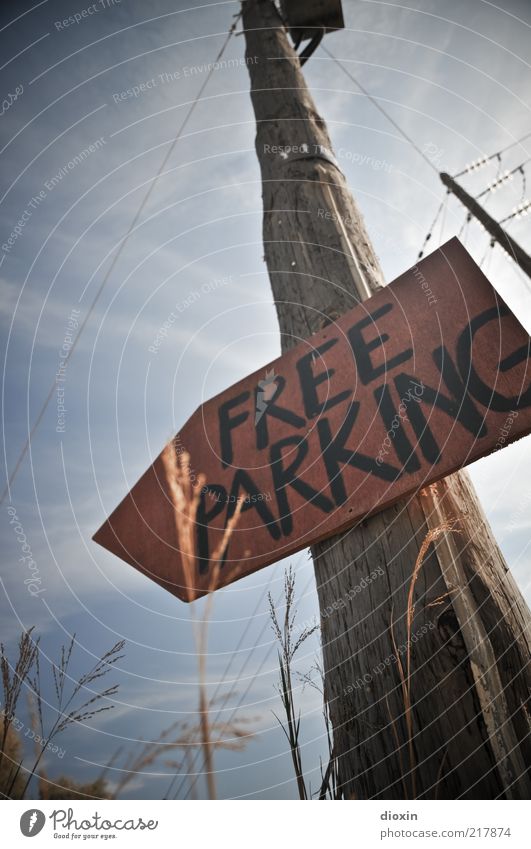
pixel 478 163
pixel 522 210
pixel 507 176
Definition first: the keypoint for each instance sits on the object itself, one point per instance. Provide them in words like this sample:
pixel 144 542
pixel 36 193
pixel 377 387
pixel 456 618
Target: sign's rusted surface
pixel 428 375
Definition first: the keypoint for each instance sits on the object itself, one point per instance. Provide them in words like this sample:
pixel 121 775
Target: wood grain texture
pixel 318 268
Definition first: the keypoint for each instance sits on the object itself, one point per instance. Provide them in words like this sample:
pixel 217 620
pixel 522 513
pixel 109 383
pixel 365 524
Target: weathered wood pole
pixel 470 634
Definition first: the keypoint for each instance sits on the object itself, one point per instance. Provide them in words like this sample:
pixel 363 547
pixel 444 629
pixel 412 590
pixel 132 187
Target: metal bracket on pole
pixel 310 20
pixel 311 47
pixel 321 153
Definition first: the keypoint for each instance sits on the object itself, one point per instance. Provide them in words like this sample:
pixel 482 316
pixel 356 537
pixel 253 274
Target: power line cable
pixel 463 233
pixel 443 218
pixel 497 155
pixel 124 240
pixel 479 163
pixel 504 178
pixel 380 108
pixel 488 252
pixel 42 411
pixel 521 211
pixel 429 234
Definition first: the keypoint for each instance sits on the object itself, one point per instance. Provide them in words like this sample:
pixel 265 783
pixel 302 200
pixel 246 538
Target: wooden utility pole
pixel 465 731
pixel 490 224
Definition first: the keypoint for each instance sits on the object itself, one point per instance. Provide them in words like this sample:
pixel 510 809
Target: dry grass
pixel 12 756
pixel 228 736
pixel 330 785
pixel 69 710
pixel 185 496
pixel 183 737
pixel 13 679
pixel 284 634
pixel 65 787
pixel 405 674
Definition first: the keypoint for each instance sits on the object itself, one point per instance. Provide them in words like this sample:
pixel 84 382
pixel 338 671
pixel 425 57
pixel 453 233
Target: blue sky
pixel 456 78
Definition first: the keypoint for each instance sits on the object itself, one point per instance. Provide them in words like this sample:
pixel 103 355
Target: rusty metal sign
pixel 426 376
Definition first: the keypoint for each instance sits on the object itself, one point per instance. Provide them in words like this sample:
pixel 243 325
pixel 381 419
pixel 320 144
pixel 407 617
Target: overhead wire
pixel 442 209
pixel 498 154
pixel 429 234
pixel 443 217
pixel 122 245
pixel 463 232
pixel 504 178
pixel 123 242
pixel 381 109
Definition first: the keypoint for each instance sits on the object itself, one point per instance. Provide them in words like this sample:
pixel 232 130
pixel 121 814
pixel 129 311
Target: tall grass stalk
pixel 69 709
pixel 185 496
pixel 330 785
pixel 288 648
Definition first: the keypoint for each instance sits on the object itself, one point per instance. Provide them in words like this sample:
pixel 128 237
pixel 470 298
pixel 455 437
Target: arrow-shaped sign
pixel 426 376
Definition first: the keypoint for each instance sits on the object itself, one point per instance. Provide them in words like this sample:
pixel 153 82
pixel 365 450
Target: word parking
pixel 389 398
